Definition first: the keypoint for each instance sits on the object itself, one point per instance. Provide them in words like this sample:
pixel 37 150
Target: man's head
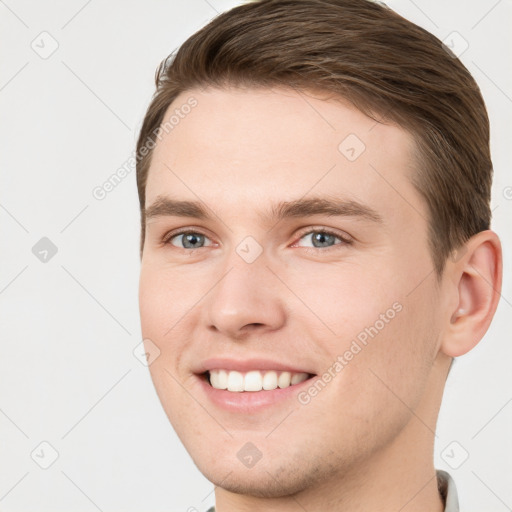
pixel 390 69
pixel 307 170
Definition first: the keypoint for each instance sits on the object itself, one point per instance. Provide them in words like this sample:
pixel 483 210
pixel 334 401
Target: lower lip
pixel 250 401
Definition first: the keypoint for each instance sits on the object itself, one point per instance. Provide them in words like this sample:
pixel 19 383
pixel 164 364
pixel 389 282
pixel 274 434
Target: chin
pixel 258 483
pixel 266 479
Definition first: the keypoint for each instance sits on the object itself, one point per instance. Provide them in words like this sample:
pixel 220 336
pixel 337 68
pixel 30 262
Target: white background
pixel 68 375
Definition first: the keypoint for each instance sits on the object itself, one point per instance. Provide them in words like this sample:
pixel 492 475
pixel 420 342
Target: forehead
pixel 249 146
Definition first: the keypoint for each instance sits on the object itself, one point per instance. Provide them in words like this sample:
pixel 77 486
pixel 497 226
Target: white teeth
pixel 284 379
pixel 219 379
pixel 214 380
pixel 235 381
pixel 270 381
pixel 254 380
pixel 223 379
pixel 297 378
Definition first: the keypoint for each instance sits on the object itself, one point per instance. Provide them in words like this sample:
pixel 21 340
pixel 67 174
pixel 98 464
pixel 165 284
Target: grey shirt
pixel 447 490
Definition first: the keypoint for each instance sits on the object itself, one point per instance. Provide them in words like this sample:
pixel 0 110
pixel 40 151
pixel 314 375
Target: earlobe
pixel 478 278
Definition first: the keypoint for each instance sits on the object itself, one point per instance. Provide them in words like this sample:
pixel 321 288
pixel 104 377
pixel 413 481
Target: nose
pixel 247 299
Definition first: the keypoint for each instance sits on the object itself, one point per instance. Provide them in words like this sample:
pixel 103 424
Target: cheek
pixel 168 305
pixel 385 336
pixel 150 298
pixel 391 370
pixel 371 398
pixel 160 312
pixel 344 299
pixel 164 298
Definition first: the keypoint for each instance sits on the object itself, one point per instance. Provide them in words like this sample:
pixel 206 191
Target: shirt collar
pixel 448 491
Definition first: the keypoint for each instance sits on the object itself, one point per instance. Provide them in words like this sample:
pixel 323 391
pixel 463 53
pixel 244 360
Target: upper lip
pixel 245 365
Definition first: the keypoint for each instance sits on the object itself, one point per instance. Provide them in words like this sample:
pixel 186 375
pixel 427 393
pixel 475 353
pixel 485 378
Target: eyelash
pixel 344 240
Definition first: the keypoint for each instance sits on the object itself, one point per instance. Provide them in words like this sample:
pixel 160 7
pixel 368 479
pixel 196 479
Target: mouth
pixel 248 386
pixel 254 380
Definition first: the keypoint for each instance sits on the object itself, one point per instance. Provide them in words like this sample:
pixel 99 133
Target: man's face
pixel 357 309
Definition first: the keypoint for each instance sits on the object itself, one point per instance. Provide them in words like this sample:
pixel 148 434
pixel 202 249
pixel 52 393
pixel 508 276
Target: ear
pixel 475 278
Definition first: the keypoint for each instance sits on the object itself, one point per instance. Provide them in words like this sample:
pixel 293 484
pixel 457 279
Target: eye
pixel 315 239
pixel 322 238
pixel 188 240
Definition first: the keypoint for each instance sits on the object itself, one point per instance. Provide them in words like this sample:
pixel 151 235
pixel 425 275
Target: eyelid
pixel 344 237
pixel 166 239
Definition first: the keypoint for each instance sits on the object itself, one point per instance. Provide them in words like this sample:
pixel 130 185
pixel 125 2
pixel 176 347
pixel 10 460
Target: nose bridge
pixel 247 295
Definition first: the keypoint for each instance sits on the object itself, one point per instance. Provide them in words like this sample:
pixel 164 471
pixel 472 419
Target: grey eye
pixel 189 240
pixel 319 239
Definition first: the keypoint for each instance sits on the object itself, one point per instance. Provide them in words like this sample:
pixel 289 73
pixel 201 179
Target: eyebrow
pixel 166 206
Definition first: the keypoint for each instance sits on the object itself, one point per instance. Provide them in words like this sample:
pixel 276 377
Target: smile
pixel 254 380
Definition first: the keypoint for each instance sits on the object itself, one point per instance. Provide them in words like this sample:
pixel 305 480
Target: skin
pixel 365 442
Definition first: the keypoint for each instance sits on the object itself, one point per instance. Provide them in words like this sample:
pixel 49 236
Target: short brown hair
pixel 362 51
